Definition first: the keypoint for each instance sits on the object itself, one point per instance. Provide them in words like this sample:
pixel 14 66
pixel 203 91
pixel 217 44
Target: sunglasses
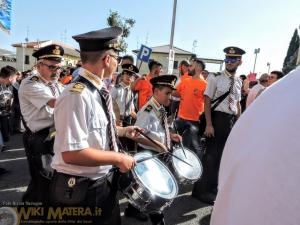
pixel 51 67
pixel 231 60
pixel 116 57
pixel 264 81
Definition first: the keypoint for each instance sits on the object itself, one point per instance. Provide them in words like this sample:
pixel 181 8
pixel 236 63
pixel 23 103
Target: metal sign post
pixel 171 61
pixel 171 52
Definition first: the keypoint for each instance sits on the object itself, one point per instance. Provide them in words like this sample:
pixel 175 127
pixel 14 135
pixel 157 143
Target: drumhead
pixel 156 177
pixel 192 173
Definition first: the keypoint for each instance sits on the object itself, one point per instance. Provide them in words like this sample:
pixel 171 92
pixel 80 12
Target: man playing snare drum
pixel 153 119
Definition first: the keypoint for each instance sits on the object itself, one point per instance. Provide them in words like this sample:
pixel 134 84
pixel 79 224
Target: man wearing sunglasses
pixel 219 121
pixel 37 95
pixel 86 151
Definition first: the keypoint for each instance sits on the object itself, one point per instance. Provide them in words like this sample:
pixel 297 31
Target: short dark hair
pixel 7 71
pixel 72 69
pixel 128 57
pixel 243 77
pixel 200 62
pixel 91 57
pixel 279 74
pixel 152 63
pixel 63 73
pixel 184 62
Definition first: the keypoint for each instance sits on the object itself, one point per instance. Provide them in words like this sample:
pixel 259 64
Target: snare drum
pixel 150 186
pixel 184 173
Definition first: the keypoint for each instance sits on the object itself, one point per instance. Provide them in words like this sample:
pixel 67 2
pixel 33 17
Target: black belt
pixel 42 131
pixel 99 182
pixel 225 114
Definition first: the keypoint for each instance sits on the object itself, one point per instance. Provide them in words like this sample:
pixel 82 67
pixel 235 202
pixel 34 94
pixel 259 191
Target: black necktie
pixel 126 92
pixel 53 89
pixel 112 129
pixel 232 105
pixel 164 121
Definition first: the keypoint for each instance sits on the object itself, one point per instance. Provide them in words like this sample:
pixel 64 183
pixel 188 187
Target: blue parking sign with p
pixel 144 54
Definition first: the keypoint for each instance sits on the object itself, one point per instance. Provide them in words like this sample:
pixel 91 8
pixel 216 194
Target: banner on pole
pixel 5 15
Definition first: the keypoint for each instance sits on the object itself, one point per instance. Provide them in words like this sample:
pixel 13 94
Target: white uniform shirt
pixel 149 118
pixel 80 122
pixel 259 180
pixel 118 93
pixel 34 93
pixel 219 85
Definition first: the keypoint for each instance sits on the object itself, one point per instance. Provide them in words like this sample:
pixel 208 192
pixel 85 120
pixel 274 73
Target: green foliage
pixel 114 19
pixel 292 53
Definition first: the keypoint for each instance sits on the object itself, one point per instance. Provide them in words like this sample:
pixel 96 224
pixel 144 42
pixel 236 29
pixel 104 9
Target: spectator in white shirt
pixel 259 182
pixel 262 84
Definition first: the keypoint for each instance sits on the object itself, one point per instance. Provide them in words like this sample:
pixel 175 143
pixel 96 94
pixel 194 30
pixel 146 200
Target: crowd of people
pixel 79 123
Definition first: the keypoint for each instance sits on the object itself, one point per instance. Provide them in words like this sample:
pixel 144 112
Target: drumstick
pixel 150 139
pixel 149 157
pixel 180 142
pixel 179 159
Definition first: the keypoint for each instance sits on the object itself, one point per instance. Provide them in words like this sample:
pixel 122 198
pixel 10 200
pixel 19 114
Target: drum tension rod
pixel 168 152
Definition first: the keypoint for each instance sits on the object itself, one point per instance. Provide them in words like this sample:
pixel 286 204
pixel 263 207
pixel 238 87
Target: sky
pixel 265 24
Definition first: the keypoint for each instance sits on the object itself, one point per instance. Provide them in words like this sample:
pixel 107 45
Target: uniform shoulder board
pixel 217 74
pixel 148 108
pixel 77 87
pixel 34 78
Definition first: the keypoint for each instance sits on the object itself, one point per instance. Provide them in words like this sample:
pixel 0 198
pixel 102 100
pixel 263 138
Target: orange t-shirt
pixel 144 89
pixel 185 76
pixel 67 79
pixel 191 98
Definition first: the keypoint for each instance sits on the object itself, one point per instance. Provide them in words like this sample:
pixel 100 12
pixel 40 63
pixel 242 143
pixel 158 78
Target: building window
pixel 26 59
pixel 175 67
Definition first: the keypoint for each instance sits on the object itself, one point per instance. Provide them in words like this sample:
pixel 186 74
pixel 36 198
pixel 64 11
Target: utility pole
pixel 195 42
pixel 256 51
pixel 23 56
pixel 27 35
pixel 147 38
pixel 171 51
pixel 268 65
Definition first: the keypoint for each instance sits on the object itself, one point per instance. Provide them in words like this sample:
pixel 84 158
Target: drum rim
pixel 178 148
pixel 169 197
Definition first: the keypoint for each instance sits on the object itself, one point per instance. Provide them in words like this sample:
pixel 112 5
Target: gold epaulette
pixel 148 108
pixel 77 87
pixel 34 78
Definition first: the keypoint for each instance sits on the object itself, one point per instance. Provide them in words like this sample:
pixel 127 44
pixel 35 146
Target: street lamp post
pixel 256 51
pixel 268 65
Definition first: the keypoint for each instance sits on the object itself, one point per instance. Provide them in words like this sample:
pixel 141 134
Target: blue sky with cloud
pixel 267 25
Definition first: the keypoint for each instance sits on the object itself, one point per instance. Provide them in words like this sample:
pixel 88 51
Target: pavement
pixel 184 210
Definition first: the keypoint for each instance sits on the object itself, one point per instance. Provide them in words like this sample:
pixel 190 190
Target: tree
pixel 114 19
pixel 292 53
